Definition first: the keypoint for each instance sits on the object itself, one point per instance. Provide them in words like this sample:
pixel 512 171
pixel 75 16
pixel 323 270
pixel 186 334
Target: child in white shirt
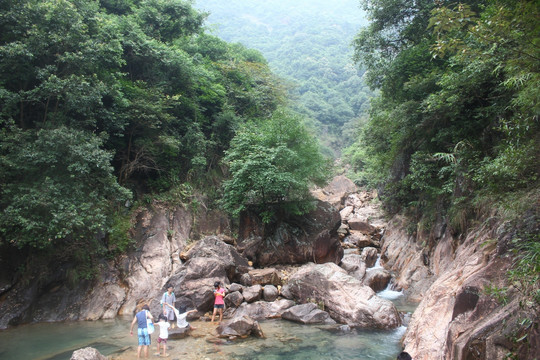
pixel 163 334
pixel 181 318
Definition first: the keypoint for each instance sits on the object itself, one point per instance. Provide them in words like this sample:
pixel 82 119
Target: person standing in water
pixel 219 304
pixel 141 319
pixel 168 298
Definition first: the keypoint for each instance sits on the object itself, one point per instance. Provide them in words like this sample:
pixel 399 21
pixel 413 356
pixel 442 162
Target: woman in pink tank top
pixel 219 304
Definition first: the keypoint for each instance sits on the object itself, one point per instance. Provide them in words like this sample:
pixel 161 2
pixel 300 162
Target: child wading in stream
pixel 163 334
pixel 219 304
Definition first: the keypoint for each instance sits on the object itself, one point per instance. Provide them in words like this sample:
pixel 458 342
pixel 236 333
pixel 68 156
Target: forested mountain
pixel 106 102
pixel 307 42
pixel 454 136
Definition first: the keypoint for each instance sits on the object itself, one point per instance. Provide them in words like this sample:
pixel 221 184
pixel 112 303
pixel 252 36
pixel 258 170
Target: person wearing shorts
pixel 141 319
pixel 219 304
pixel 163 335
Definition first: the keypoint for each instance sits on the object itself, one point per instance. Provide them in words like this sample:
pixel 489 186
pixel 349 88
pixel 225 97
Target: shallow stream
pixel 283 340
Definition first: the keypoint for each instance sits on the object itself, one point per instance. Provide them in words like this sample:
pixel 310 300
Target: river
pixel 283 340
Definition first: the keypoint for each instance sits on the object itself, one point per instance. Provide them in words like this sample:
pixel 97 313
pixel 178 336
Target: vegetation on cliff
pixel 454 134
pixel 102 102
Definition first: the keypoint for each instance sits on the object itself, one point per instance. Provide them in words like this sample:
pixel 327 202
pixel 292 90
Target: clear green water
pixel 283 340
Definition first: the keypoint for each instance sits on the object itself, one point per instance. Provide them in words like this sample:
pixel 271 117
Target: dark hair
pixel 404 356
pixel 162 317
pixel 181 309
pixel 169 286
pixel 146 307
pixel 217 283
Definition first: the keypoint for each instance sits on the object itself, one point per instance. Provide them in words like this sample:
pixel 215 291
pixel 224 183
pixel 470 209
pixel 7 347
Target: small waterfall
pixel 390 294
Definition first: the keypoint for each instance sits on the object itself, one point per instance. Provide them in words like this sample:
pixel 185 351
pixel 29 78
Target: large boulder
pixel 252 293
pixel 336 191
pixel 234 299
pixel 209 260
pixel 354 265
pixel 264 276
pixel 345 298
pixel 88 353
pixel 294 240
pixel 377 279
pixel 240 326
pixel 362 226
pixel 261 310
pixel 307 314
pixel 369 255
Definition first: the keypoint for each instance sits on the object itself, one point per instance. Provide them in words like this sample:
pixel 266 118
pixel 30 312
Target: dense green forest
pixel 308 43
pixel 454 134
pixel 103 103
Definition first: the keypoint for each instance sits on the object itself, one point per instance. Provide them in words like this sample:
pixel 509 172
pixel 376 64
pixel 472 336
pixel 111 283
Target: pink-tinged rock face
pixel 344 297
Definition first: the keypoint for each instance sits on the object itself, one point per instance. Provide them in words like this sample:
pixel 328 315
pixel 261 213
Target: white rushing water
pixel 390 294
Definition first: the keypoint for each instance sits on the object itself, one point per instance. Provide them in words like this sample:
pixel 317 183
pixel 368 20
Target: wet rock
pixel 307 314
pixel 270 293
pixel 178 333
pixel 261 310
pixel 265 276
pixel 87 353
pixel 252 293
pixel 345 298
pixel 234 299
pixel 377 279
pixel 369 255
pixel 240 326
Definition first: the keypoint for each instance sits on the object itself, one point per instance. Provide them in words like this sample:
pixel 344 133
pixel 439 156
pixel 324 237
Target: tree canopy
pixel 273 163
pixel 457 117
pixel 105 101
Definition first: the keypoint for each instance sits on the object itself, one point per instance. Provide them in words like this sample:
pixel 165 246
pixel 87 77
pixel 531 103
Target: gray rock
pixel 245 280
pixel 87 353
pixel 354 265
pixel 241 326
pixel 252 293
pixel 234 299
pixel 307 314
pixel 236 287
pixel 377 279
pixel 270 293
pixel 293 240
pixel 369 255
pixel 261 310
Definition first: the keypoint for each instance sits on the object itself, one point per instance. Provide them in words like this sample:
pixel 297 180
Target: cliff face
pixel 161 233
pixel 456 319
